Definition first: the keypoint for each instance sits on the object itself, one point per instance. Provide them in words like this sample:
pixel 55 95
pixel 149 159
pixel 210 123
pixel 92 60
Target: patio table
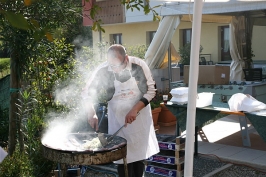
pixel 258 120
pixel 217 110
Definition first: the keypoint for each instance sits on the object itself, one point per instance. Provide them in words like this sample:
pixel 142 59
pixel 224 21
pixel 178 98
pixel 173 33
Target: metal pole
pixel 125 166
pixel 169 66
pixel 59 170
pixel 192 90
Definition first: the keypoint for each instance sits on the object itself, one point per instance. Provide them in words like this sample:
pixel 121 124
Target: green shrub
pixel 4 63
pixel 17 165
pixel 4 66
pixel 41 166
pixel 137 50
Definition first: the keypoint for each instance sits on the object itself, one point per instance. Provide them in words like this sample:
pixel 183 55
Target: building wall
pixel 132 34
pixel 135 33
pixel 137 24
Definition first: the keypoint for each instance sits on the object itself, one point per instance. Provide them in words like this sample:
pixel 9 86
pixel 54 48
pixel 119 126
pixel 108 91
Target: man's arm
pixel 92 117
pixel 149 84
pixel 90 95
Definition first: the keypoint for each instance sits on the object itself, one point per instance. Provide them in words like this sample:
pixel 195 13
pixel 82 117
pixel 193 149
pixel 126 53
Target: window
pixel 187 33
pixel 150 36
pixel 225 52
pixel 116 38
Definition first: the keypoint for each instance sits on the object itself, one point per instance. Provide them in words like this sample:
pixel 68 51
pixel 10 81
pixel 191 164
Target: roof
pixel 229 7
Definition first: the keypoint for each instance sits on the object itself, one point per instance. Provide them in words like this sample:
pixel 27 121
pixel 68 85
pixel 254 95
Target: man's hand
pixel 93 121
pixel 133 113
pixel 131 117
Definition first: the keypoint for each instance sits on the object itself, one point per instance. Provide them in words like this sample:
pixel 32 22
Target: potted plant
pixel 166 118
pixel 156 109
pixel 184 53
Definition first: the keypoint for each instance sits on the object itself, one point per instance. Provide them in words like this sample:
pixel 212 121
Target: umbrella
pixel 156 52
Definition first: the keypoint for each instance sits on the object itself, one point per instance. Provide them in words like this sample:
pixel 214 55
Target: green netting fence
pixel 4 92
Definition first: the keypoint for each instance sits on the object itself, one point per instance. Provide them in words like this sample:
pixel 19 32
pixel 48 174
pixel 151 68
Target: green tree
pixel 24 23
pixel 35 21
pixel 20 20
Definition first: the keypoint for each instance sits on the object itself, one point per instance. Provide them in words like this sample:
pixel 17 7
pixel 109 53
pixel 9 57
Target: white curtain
pixel 237 29
pixel 155 54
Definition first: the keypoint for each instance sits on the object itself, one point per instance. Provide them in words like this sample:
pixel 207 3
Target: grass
pixel 4 67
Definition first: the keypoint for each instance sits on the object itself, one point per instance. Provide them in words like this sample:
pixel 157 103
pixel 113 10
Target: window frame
pixel 116 38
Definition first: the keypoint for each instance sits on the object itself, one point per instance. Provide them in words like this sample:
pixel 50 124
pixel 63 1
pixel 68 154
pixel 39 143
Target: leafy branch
pixel 129 4
pixel 141 4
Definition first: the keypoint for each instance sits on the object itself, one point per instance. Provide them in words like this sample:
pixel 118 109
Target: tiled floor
pixel 224 141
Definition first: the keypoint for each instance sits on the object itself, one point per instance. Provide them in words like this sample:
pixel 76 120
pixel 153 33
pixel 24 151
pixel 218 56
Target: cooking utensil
pixel 104 141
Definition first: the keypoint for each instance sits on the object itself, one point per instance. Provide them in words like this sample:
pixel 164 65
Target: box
pixel 204 99
pixel 179 92
pixel 178 171
pixel 180 95
pixel 210 74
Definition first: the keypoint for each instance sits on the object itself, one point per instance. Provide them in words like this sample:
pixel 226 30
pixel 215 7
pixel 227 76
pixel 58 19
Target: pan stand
pixel 62 170
pixel 125 166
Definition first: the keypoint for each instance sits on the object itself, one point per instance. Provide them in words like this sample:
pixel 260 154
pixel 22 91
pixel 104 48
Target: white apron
pixel 140 134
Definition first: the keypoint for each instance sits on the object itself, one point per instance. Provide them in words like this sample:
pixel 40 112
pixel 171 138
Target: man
pixel 129 87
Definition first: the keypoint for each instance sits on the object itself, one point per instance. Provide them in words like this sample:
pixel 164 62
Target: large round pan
pixel 70 152
pixel 73 141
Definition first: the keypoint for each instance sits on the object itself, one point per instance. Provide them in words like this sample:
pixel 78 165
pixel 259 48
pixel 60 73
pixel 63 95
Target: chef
pixel 129 87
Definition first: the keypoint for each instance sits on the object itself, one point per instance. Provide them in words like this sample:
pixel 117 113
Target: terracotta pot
pixel 155 116
pixel 166 117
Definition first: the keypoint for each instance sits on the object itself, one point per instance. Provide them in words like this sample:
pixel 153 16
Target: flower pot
pixel 155 116
pixel 166 118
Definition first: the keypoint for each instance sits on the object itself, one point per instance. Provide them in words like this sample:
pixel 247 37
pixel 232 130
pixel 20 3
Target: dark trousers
pixel 135 169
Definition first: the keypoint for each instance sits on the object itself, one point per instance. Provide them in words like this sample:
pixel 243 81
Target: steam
pixel 70 93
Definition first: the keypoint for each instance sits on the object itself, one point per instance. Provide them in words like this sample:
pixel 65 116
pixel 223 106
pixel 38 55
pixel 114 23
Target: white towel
pixel 3 154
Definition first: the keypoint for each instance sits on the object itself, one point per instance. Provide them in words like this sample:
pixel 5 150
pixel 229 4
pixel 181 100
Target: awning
pixel 230 7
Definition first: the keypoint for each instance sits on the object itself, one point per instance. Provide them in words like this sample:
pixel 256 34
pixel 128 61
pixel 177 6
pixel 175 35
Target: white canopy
pixel 214 7
pixel 216 12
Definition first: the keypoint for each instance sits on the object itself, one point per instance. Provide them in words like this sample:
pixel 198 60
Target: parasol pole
pixel 192 90
pixel 169 65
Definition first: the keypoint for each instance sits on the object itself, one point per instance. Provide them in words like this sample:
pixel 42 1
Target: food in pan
pixel 92 144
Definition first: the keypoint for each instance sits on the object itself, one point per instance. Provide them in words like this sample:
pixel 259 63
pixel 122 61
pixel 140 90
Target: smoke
pixel 59 127
pixel 71 94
